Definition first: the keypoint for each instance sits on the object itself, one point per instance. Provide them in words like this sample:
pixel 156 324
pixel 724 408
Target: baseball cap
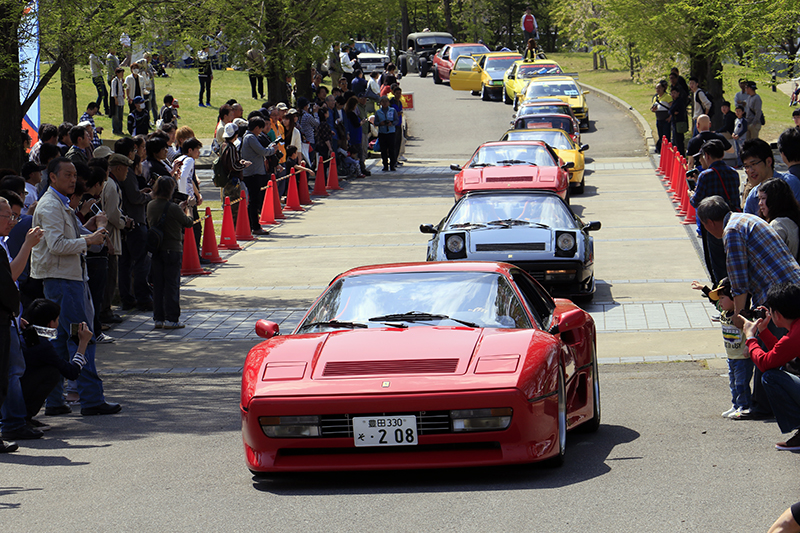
pixel 282 106
pixel 723 287
pixel 29 168
pixel 713 148
pixel 138 100
pixel 230 131
pixel 102 151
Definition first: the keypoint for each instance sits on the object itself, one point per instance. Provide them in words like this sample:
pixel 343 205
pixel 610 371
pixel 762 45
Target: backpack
pixel 710 112
pixel 220 177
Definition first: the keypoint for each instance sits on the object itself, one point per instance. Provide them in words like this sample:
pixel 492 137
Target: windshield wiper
pixel 473 165
pixel 515 162
pixel 335 324
pixel 416 316
pixel 517 222
pixel 468 225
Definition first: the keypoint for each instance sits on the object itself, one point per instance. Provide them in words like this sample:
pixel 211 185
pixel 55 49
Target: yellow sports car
pixel 564 146
pixel 482 73
pixel 520 73
pixel 562 87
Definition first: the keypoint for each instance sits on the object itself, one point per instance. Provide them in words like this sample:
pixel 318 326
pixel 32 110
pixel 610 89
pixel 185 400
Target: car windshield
pixel 551 88
pixel 365 48
pixel 458 51
pixel 549 109
pixel 512 154
pixel 429 41
pixel 494 64
pixel 484 299
pixel 556 139
pixel 544 121
pixel 532 208
pixel 532 71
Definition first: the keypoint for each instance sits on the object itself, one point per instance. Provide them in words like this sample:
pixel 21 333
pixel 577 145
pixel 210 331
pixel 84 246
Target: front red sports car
pixel 420 365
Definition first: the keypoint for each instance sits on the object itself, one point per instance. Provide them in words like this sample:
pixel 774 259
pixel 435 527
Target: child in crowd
pixel 739 132
pixel 740 366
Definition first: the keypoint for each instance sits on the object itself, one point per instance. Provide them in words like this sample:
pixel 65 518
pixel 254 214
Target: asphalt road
pixel 663 459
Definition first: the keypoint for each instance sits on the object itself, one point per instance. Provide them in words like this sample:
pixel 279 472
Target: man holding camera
pixel 59 260
pixel 756 259
pixel 717 179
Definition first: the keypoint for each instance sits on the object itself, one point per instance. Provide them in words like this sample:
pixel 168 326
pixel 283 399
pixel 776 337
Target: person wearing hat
pixel 754 115
pixel 233 164
pixel 740 366
pixel 111 203
pixel 718 179
pixel 138 119
pixel 32 173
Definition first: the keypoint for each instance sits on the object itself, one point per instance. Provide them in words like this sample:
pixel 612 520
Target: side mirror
pixel 584 148
pixel 428 228
pixel 568 321
pixel 512 77
pixel 266 329
pixel 455 168
pixel 568 165
pixel 585 92
pixel 592 226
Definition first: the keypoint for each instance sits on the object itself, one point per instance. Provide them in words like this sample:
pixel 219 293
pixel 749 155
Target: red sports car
pixel 503 165
pixel 421 365
pixel 445 58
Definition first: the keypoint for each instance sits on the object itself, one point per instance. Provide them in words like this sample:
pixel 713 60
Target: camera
pixel 754 313
pixel 178 197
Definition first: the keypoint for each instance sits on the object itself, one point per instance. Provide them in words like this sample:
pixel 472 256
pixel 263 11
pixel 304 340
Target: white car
pixel 369 58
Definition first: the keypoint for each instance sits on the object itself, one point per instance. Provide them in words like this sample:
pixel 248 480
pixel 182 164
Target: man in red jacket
pixel 781 383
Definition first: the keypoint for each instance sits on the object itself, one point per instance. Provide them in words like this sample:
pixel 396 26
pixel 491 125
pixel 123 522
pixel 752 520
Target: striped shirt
pixel 756 256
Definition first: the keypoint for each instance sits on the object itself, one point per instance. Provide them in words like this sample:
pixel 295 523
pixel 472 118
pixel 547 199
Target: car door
pixel 466 75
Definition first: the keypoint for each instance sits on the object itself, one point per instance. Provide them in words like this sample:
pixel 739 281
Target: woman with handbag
pixel 165 269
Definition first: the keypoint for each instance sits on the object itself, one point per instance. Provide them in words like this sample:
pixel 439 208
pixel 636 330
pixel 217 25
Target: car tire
pixel 516 104
pixel 485 94
pixel 436 79
pixel 403 64
pixel 423 67
pixel 506 99
pixel 558 460
pixel 593 425
pixel 581 186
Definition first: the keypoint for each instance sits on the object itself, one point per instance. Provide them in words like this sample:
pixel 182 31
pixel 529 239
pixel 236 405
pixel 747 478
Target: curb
pixel 642 123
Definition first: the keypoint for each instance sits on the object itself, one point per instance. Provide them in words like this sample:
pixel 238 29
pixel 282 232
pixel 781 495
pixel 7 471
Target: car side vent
pixel 502 247
pixel 396 366
pixel 505 179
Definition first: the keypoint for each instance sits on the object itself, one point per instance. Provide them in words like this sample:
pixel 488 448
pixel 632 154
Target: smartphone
pixel 278 140
pixel 96 209
pixel 73 329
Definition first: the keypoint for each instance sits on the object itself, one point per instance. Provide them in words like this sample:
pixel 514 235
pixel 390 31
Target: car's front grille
pixel 502 247
pixel 395 366
pixel 428 423
pixel 508 179
pixel 370 60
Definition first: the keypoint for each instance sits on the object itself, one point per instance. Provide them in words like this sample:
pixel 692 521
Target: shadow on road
pixel 586 459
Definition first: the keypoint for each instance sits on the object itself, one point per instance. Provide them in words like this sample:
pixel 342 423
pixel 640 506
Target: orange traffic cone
pixel 267 214
pixel 305 198
pixel 191 261
pixel 319 182
pixel 276 199
pixel 210 250
pixel 227 236
pixel 292 198
pixel 333 176
pixel 243 224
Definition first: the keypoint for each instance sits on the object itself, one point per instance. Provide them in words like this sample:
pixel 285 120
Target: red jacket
pixel 781 351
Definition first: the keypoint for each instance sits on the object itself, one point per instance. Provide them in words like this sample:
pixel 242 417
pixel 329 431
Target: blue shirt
pixel 751 204
pixel 718 180
pixel 381 116
pixel 64 199
pixel 756 256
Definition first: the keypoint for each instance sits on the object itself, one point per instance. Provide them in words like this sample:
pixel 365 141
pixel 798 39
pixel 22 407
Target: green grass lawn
pixel 182 84
pixel 617 81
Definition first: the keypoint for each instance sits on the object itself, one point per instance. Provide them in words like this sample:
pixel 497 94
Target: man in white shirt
pixel 701 105
pixel 347 63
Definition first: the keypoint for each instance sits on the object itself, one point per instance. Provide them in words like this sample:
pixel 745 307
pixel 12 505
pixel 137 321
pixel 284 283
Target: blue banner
pixel 29 66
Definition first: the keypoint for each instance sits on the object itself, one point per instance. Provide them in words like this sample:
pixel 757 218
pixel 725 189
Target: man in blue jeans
pixel 59 260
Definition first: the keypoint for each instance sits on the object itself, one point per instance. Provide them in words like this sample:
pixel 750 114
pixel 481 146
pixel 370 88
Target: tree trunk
pixel 594 60
pixel 708 70
pixel 510 43
pixel 276 86
pixel 11 149
pixel 302 80
pixel 406 27
pixel 448 17
pixel 69 96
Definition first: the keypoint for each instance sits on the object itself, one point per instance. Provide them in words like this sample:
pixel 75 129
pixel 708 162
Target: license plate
pixel 385 430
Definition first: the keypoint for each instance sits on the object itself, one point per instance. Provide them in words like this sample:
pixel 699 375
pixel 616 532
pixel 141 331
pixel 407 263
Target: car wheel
pixel 485 94
pixel 567 195
pixel 581 186
pixel 506 99
pixel 594 424
pixel 516 104
pixel 403 63
pixel 558 460
pixel 436 79
pixel 423 67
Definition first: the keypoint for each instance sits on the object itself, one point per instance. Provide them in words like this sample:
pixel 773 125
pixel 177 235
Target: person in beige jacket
pixel 59 261
pixel 111 202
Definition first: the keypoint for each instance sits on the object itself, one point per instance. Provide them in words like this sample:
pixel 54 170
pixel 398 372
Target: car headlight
pixel 289 426
pixel 455 243
pixel 480 419
pixel 565 242
pixel 497 82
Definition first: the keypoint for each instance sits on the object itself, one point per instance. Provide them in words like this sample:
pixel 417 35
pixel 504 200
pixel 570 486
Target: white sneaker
pixel 729 412
pixel 740 413
pixel 105 339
